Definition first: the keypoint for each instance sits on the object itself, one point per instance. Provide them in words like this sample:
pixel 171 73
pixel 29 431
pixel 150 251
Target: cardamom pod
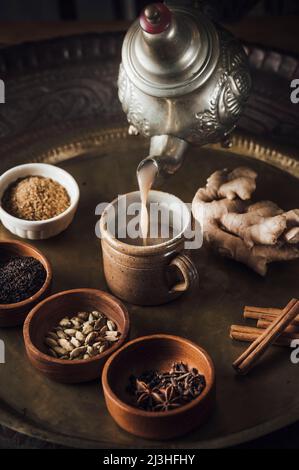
pixel 52 343
pixel 75 342
pixel 77 352
pixel 64 343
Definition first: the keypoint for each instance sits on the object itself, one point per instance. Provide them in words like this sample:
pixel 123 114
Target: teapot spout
pixel 166 153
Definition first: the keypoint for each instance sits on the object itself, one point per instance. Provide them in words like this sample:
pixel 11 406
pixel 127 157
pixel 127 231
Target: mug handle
pixel 189 272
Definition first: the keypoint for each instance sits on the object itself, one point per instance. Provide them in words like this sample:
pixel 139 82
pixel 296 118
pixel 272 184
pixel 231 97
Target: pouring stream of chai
pixel 146 176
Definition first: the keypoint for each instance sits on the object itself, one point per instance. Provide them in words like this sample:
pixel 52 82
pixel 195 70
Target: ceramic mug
pixel 152 274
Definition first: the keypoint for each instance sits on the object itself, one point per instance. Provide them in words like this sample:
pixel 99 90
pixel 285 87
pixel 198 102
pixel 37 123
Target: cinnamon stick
pixel 259 310
pixel 265 323
pixel 257 313
pixel 250 334
pixel 249 358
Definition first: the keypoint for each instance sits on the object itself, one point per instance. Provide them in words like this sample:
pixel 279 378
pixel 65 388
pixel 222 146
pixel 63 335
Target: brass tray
pixel 104 163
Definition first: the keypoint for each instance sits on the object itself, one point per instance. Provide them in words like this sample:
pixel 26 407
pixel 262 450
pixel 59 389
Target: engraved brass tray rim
pixel 90 141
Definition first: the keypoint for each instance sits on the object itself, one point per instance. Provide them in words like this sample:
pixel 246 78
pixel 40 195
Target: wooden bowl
pixel 156 352
pixel 15 314
pixel 48 313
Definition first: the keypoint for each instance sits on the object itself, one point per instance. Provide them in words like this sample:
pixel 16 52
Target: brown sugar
pixel 35 198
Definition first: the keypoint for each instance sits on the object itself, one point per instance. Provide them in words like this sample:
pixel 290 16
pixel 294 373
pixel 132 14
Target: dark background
pixel 107 10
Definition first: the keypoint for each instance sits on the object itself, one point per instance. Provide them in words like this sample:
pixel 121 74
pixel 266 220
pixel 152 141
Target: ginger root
pixel 255 234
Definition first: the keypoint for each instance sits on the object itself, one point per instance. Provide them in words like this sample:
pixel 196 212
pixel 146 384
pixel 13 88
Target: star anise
pixel 179 368
pixel 150 377
pixel 167 391
pixel 147 397
pixel 169 400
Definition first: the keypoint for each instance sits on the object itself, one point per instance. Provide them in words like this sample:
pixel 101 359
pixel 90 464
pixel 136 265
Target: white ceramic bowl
pixel 39 230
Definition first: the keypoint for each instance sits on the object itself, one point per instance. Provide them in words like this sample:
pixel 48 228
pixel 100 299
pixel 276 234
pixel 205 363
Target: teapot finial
pixel 152 14
pixel 155 18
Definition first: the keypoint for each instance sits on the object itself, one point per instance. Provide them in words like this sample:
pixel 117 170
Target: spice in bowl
pixel 82 336
pixel 166 391
pixel 35 198
pixel 20 278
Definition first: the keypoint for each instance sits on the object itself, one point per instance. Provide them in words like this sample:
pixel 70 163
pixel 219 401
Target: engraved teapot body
pixel 182 81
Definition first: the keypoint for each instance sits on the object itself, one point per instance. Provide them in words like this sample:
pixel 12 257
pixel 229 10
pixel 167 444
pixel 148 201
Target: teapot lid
pixel 170 51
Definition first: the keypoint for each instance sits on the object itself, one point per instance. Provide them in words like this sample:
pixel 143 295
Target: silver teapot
pixel 183 80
